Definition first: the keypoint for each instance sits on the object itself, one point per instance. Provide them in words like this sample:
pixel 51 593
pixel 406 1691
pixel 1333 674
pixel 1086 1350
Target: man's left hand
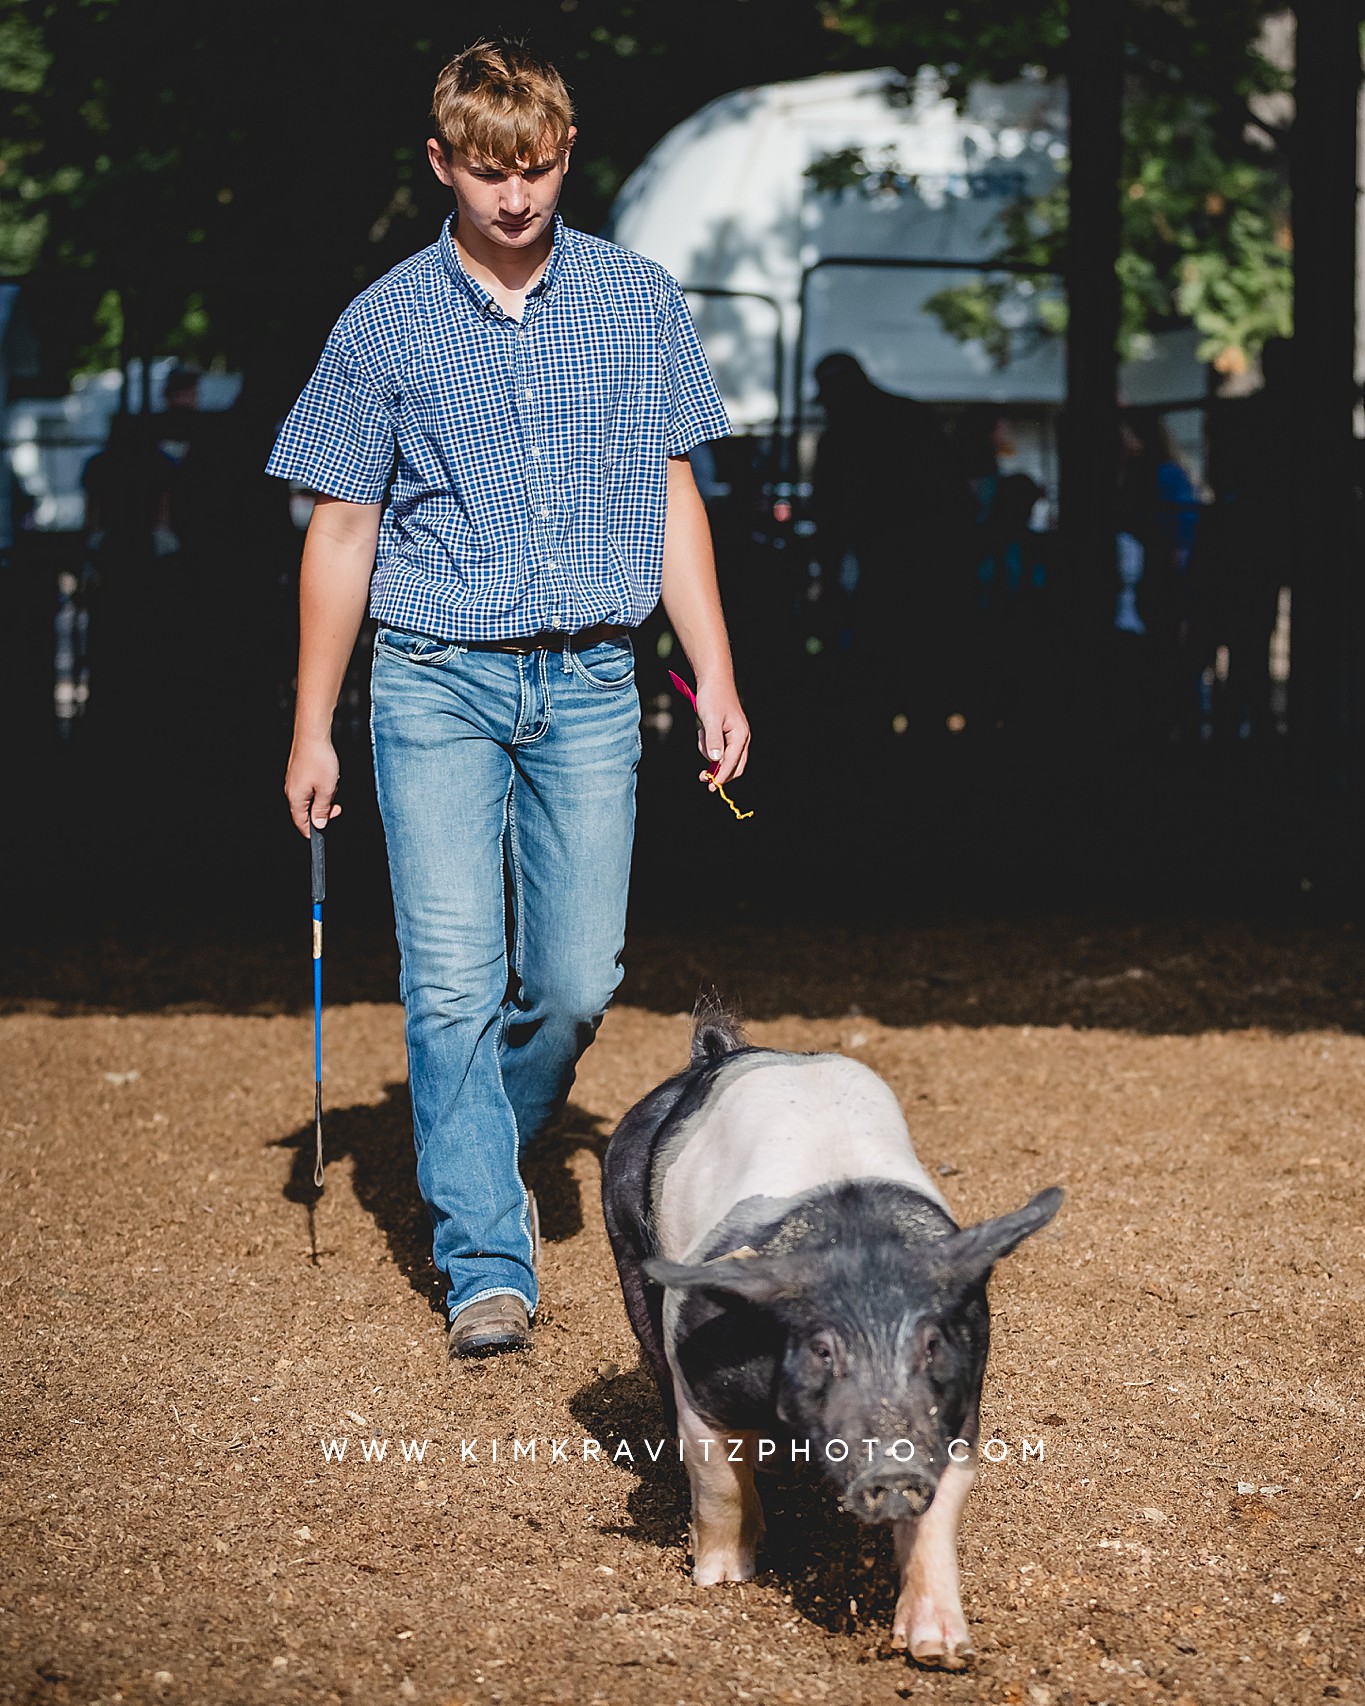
pixel 723 737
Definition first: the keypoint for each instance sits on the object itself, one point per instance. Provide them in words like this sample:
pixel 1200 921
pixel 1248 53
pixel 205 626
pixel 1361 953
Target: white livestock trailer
pixel 781 272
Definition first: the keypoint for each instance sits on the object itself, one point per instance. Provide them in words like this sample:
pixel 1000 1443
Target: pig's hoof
pixel 941 1655
pixel 723 1567
pixel 936 1639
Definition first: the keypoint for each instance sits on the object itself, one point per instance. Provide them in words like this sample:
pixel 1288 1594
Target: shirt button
pixel 545 515
pixel 528 392
pixel 551 567
pixel 535 450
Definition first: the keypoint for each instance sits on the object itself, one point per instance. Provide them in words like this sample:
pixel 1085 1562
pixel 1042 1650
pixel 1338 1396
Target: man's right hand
pixel 334 583
pixel 310 784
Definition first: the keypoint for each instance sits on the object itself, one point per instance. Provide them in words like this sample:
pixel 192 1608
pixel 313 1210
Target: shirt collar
pixel 481 298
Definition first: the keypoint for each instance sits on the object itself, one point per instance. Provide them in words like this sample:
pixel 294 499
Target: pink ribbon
pixel 691 697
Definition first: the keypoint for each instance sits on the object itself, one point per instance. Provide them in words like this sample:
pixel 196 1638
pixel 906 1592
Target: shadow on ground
pixel 837 1572
pixel 1161 975
pixel 376 1139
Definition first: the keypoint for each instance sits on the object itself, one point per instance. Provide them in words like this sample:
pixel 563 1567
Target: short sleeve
pixel 338 438
pixel 695 412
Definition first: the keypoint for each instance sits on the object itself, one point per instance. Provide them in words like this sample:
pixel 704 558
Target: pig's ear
pixel 756 1281
pixel 970 1255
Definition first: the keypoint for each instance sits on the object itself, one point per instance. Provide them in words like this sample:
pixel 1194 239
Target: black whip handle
pixel 315 847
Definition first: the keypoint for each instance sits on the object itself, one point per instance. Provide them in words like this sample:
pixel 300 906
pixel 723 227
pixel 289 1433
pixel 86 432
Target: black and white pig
pixel 796 1278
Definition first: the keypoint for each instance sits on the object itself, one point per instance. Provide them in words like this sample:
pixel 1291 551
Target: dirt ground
pixel 185 1331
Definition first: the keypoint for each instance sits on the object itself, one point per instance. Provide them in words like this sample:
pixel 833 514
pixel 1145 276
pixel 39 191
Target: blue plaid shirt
pixel 524 462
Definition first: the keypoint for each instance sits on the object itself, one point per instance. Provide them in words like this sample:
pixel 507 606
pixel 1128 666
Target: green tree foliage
pixel 217 181
pixel 24 62
pixel 991 39
pixel 1206 232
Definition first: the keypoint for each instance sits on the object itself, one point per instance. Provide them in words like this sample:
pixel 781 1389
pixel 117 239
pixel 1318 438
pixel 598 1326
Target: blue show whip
pixel 315 847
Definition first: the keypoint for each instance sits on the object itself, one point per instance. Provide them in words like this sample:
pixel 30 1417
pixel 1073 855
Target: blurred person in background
pixel 1159 512
pixel 880 503
pixel 1244 553
pixel 127 486
pixel 1010 629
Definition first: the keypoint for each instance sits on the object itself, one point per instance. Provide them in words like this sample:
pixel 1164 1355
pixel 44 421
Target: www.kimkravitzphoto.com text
pixel 734 1448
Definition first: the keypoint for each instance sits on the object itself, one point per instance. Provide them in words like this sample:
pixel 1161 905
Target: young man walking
pixel 497 432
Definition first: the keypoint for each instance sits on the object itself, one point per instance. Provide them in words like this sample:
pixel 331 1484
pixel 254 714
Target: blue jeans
pixel 507 788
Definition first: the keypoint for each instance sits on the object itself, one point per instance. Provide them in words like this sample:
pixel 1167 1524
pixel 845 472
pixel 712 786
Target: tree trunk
pixel 1319 439
pixel 1089 435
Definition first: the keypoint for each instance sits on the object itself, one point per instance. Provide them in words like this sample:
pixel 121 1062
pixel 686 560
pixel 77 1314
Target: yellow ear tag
pixel 729 802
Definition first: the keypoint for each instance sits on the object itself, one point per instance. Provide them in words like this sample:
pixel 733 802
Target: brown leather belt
pixel 551 639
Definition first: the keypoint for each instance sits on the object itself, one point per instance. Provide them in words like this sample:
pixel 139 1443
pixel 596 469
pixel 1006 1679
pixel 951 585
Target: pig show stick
pixel 315 848
pixel 691 697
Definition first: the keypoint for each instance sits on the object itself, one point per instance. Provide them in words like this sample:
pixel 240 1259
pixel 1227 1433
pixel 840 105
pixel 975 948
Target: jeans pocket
pixel 609 666
pixel 416 648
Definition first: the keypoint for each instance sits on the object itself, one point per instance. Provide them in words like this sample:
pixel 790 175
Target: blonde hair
pixel 498 105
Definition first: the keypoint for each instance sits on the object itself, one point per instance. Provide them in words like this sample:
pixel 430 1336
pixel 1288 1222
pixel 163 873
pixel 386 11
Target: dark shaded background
pixel 160 820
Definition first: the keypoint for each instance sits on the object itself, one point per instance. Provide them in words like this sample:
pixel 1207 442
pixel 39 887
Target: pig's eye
pixel 823 1346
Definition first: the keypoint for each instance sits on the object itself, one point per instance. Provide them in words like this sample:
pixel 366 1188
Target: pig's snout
pixel 889 1492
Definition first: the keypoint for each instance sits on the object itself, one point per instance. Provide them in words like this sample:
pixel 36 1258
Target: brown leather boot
pixel 493 1324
